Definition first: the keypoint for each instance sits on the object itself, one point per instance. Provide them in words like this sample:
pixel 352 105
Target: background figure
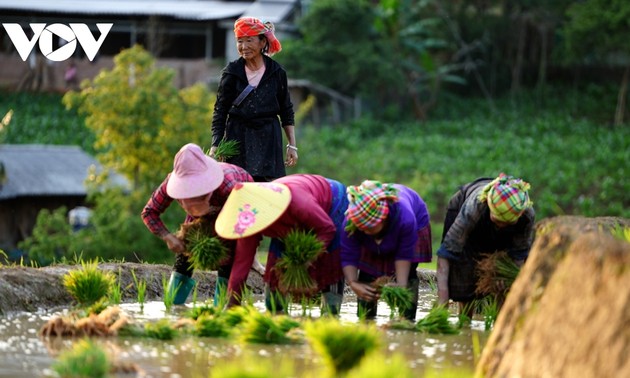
pixel 314 203
pixel 253 102
pixel 70 76
pixel 390 234
pixel 483 216
pixel 201 186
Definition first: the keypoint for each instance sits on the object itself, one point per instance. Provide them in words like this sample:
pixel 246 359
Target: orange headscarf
pixel 251 27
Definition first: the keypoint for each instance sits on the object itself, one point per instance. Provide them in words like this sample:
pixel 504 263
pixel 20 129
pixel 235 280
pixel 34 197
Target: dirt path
pixel 33 289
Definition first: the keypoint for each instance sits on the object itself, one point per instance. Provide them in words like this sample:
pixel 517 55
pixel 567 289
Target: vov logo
pixel 44 34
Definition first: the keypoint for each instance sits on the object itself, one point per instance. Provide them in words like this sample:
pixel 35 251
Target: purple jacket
pixel 406 216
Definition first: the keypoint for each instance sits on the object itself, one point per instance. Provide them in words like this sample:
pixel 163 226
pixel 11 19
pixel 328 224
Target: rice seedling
pixel 169 295
pixel 342 347
pixel 211 326
pixel 436 322
pixel 88 284
pixel 161 330
pixel 98 306
pixel 236 315
pixel 115 293
pixel 490 310
pixel 379 366
pixel 226 149
pixel 301 249
pixel 204 309
pixel 497 272
pixel 141 286
pixel 206 251
pixel 260 328
pixel 398 299
pixel 86 359
pixel 252 367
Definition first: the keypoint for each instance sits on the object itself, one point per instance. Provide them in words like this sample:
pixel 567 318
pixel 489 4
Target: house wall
pixel 19 215
pixel 16 74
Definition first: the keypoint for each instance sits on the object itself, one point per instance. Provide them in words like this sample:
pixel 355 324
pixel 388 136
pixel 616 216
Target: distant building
pixel 194 37
pixel 40 177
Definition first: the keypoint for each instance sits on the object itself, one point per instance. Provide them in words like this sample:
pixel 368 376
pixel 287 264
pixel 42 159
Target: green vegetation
pixel 89 284
pixel 206 250
pixel 436 322
pixel 398 299
pixel 341 346
pixel 301 249
pixel 86 359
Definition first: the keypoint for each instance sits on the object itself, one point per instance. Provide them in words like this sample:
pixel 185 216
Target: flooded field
pixel 24 354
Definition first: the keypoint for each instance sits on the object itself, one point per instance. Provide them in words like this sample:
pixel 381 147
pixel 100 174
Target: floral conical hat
pixel 251 207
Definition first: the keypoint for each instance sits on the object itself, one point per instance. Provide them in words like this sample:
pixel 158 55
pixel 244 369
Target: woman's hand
pixel 174 244
pixel 364 291
pixel 212 152
pixel 292 157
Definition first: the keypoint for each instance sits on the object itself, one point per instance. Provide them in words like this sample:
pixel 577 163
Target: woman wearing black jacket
pixel 253 104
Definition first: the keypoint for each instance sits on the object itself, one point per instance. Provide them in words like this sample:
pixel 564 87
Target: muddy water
pixel 24 354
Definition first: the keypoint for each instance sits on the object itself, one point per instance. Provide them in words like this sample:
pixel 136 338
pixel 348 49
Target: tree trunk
pixel 621 98
pixel 520 52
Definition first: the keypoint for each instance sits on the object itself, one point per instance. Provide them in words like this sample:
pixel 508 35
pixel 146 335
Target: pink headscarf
pixel 251 27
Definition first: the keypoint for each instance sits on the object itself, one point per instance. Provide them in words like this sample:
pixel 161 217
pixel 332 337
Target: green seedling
pixel 260 328
pixel 398 299
pixel 161 330
pixel 141 286
pixel 115 293
pixel 342 347
pixel 88 284
pixel 226 149
pixel 86 359
pixel 206 251
pixel 169 295
pixel 301 249
pixel 436 322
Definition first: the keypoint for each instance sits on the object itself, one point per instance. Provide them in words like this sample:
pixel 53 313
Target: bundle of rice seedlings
pixel 211 326
pixel 204 309
pixel 497 272
pixel 89 284
pixel 86 359
pixel 398 299
pixel 254 367
pixel 436 322
pixel 161 330
pixel 261 328
pixel 226 149
pixel 237 314
pixel 380 366
pixel 206 251
pixel 302 248
pixel 342 347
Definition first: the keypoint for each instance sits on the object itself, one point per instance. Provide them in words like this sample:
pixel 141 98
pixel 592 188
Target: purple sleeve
pixel 350 250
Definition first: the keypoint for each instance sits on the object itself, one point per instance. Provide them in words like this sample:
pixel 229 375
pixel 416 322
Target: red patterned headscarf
pixel 369 203
pixel 251 27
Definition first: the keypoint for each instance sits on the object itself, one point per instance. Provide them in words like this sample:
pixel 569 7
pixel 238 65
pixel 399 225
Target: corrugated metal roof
pixel 186 9
pixel 45 170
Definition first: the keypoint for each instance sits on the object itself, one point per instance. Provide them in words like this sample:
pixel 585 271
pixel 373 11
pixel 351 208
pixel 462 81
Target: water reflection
pixel 24 354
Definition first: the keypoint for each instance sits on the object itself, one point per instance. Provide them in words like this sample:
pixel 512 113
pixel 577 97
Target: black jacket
pixel 256 122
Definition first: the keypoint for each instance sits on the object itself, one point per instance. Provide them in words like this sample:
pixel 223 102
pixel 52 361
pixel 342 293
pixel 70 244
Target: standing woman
pixel 391 235
pixel 253 104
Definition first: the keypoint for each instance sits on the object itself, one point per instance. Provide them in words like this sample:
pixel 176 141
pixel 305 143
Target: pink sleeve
pixel 243 260
pixel 311 216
